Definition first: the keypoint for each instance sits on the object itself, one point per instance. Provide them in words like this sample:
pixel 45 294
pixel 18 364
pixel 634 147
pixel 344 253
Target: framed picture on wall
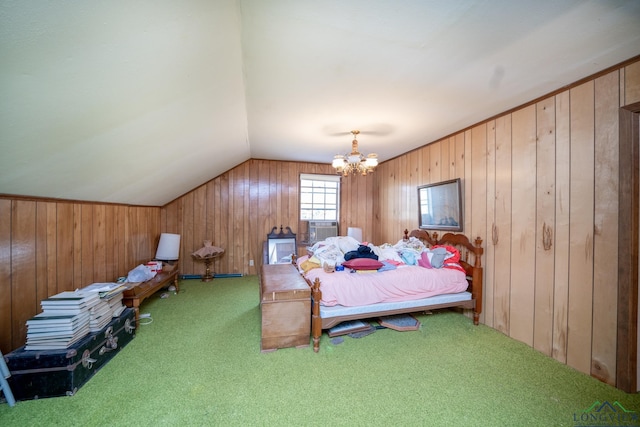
pixel 440 206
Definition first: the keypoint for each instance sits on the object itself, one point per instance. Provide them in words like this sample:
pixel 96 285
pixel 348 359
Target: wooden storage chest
pixel 285 303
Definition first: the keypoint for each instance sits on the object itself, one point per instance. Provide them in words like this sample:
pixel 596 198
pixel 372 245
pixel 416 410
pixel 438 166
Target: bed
pixel 398 291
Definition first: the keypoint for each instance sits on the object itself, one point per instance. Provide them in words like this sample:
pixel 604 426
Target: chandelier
pixel 355 162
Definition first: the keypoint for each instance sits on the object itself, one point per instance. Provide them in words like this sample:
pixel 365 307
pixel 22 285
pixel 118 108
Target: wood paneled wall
pixel 548 170
pixel 50 246
pixel 237 209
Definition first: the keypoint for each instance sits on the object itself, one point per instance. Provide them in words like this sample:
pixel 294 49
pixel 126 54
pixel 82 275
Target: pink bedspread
pixel 402 284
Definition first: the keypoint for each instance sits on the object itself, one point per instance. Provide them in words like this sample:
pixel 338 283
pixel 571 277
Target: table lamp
pixel 206 254
pixel 355 232
pixel 168 247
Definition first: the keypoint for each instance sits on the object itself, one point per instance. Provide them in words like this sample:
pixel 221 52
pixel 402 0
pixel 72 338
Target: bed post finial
pixel 406 235
pixel 479 252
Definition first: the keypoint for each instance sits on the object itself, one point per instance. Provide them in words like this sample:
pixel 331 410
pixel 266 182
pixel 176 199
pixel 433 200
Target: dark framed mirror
pixel 440 206
pixel 280 246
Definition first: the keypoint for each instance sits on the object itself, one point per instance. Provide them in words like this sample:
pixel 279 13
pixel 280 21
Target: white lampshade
pixel 168 247
pixel 355 232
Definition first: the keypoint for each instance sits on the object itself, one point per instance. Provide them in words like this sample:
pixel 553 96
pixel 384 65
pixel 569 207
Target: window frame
pixel 324 178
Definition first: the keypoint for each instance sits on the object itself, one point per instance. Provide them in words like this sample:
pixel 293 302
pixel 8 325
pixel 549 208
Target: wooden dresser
pixel 285 302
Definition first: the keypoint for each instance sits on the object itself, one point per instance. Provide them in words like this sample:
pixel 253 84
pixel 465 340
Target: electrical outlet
pixel 250 263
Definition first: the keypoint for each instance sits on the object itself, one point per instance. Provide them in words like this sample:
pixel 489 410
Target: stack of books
pixel 117 307
pixel 109 304
pixel 69 316
pixel 64 320
pixel 100 315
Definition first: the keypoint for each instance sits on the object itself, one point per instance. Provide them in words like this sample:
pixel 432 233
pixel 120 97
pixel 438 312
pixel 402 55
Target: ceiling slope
pixel 139 102
pixel 129 102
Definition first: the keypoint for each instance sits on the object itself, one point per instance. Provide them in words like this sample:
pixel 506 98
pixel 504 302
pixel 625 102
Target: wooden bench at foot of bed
pixel 471 299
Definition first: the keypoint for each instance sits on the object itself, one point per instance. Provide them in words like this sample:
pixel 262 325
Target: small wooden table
pixel 134 296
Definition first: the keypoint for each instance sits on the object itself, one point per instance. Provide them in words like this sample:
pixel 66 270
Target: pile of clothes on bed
pixel 335 253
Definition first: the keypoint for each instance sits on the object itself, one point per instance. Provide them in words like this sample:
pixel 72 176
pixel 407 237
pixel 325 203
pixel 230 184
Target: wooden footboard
pixel 466 249
pixel 474 277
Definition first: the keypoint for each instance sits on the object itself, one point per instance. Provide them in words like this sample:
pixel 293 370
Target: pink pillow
pixel 363 264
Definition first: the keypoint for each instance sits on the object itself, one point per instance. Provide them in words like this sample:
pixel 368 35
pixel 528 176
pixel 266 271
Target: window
pixel 319 197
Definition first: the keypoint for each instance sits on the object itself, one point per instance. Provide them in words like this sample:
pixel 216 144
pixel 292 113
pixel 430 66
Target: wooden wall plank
pixel 24 295
pixel 561 234
pixel 6 302
pixel 581 228
pixel 99 266
pixel 64 246
pixel 467 182
pixel 349 186
pixel 479 181
pixel 199 226
pixel 216 206
pixel 523 223
pixel 52 249
pixel 425 172
pixel 500 236
pixel 479 187
pixel 403 216
pixel 605 291
pixel 273 196
pixel 153 230
pixel 293 202
pixel 545 219
pixel 111 272
pixel 445 160
pixel 489 251
pixel 393 199
pixel 77 247
pixel 86 244
pixel 254 217
pixel 210 219
pixel 435 153
pixel 412 192
pixel 632 83
pixel 388 205
pixel 266 222
pixel 238 214
pixel 41 266
pixel 460 164
pixel 187 240
pixel 119 241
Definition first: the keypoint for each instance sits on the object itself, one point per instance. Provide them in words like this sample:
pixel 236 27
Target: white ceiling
pixel 140 102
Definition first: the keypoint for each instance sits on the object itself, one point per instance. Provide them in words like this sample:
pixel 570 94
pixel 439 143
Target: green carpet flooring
pixel 198 363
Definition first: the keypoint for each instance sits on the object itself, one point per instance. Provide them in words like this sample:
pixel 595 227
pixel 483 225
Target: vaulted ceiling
pixel 138 102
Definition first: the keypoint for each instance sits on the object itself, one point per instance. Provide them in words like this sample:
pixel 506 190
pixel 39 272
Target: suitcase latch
pixel 87 361
pixel 110 342
pixel 128 327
